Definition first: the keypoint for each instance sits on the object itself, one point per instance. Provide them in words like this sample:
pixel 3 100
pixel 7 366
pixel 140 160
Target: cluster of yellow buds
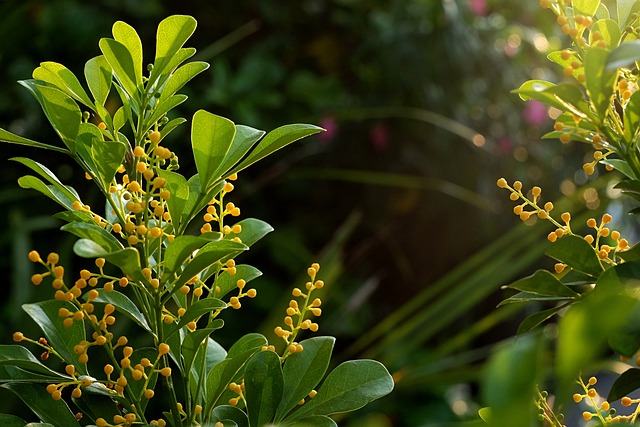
pixel 600 408
pixel 573 25
pixel 55 390
pixel 217 210
pixel 295 320
pixel 237 389
pixel 234 302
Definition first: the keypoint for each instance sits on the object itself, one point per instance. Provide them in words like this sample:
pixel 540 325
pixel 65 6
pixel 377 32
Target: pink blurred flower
pixel 331 128
pixel 478 7
pixel 535 112
pixel 379 136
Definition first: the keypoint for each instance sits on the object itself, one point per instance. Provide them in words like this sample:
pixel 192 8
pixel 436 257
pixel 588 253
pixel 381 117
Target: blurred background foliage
pixel 397 199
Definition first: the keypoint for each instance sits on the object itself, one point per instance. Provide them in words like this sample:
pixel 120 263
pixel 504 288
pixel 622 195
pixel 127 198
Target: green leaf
pixel 621 166
pixel 7 420
pixel 543 282
pixel 348 387
pixel 225 413
pixel 626 339
pixel 98 74
pixel 528 297
pixel 485 414
pixel 17 355
pixel 625 384
pixel 252 231
pixel 609 31
pixel 211 139
pixel 275 140
pixel 200 308
pixel 40 402
pixel 128 37
pixel 127 259
pixel 181 77
pixel 30 181
pixel 221 374
pixel 110 155
pixel 179 251
pixel 69 193
pixel 122 64
pixel 61 338
pixel 227 282
pixel 61 110
pixel 625 9
pixel 599 79
pixel 245 138
pixel 136 388
pixel 315 421
pixel 124 305
pixel 179 190
pixel 632 117
pixel 173 33
pixel 632 254
pixel 191 345
pixel 303 372
pixel 534 320
pixel 10 373
pixel 208 255
pixel 577 254
pixel 585 7
pixel 624 55
pixel 509 381
pixel 264 387
pixel 621 279
pixel 163 107
pixel 6 136
pixel 63 79
pixel 565 96
pixel 94 232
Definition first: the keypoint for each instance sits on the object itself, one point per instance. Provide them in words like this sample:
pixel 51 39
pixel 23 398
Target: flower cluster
pixel 600 408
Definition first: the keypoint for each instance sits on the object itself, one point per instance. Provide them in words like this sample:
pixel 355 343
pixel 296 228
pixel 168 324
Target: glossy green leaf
pixel 509 382
pixel 94 232
pixel 191 345
pixel 200 308
pixel 536 319
pixel 543 282
pixel 264 387
pixel 127 259
pixel 10 373
pixel 227 282
pixel 181 77
pixel 19 356
pixel 224 413
pixel 62 78
pixel 621 166
pixel 350 386
pixel 622 279
pixel 124 305
pixel 122 64
pixel 61 110
pixel 625 384
pixel 173 33
pixel 600 81
pixel 303 372
pixel 565 96
pixel 128 37
pixel 585 7
pixel 315 421
pixel 63 339
pixel 7 420
pixel 111 156
pixel 624 55
pixel 209 254
pixel 625 9
pixel 252 231
pixel 95 405
pixel 40 402
pixel 6 136
pixel 485 414
pixel 275 140
pixel 245 138
pixel 98 74
pixel 221 374
pixel 179 251
pixel 44 172
pixel 211 139
pixel 632 117
pixel 163 107
pixel 529 297
pixel 179 189
pixel 50 191
pixel 577 254
pixel 608 30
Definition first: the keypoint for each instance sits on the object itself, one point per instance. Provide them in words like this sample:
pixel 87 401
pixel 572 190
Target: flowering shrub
pixel 151 272
pixel 594 285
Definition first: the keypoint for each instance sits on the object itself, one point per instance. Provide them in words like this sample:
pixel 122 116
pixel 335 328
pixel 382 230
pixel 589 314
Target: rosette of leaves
pixel 104 143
